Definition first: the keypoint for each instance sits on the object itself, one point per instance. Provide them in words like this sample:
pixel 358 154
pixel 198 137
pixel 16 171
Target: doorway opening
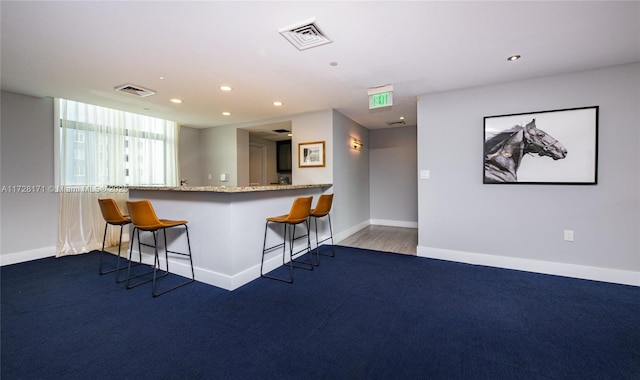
pixel 257 164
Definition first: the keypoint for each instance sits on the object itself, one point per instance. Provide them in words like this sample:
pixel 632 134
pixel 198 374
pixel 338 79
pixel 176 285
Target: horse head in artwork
pixel 504 151
pixel 538 141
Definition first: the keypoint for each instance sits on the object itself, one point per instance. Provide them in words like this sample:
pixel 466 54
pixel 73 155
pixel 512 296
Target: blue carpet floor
pixel 361 315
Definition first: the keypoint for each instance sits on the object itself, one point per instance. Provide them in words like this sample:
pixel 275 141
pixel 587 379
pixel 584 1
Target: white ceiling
pixel 82 50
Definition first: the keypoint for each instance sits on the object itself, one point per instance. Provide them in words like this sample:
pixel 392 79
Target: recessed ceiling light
pixel 513 58
pixel 277 103
pixel 175 100
pixel 401 117
pixel 225 88
pixel 225 113
pixel 333 63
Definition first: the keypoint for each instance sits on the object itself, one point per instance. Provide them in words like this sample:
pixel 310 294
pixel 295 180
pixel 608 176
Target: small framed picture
pixel 311 154
pixel 547 147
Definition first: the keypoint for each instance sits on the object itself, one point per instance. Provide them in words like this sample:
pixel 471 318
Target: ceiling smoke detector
pixel 305 35
pixel 135 90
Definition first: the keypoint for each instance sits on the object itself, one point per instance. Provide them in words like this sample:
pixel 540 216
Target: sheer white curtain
pixel 101 151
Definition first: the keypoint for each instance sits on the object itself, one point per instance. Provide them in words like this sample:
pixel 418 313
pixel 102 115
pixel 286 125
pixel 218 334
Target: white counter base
pixel 226 230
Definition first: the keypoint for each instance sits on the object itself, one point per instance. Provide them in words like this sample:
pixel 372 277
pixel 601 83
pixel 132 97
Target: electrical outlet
pixel 568 235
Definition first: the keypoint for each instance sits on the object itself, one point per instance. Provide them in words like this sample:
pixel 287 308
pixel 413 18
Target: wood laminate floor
pixel 379 238
pixel 384 238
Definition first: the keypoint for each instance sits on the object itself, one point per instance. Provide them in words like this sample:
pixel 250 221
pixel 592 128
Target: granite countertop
pixel 230 189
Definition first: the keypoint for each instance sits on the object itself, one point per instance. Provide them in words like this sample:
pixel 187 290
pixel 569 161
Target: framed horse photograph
pixel 546 147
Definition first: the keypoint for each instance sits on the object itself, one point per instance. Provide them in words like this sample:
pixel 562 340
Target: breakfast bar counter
pixel 230 189
pixel 226 227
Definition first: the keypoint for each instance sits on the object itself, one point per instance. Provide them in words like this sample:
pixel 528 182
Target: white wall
pixel 29 219
pixel 218 149
pixel 242 158
pixel 393 156
pixel 521 226
pixel 312 127
pixel 350 211
pixel 189 155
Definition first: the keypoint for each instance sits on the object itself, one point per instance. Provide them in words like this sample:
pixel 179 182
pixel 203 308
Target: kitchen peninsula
pixel 226 227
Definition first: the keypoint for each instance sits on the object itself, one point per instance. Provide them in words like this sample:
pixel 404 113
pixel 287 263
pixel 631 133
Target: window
pixel 79 154
pixel 79 171
pixel 102 146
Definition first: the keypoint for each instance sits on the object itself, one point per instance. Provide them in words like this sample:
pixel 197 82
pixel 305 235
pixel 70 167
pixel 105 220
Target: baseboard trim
pixel 181 267
pixel 214 278
pixel 350 231
pixel 394 223
pixel 177 266
pixel 616 276
pixel 22 256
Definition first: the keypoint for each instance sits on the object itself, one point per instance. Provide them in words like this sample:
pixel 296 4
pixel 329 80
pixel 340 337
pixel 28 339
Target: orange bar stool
pixel 323 207
pixel 144 218
pixel 298 214
pixel 112 216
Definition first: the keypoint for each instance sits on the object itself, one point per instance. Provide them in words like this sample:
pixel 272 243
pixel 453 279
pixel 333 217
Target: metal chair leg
pixel 318 253
pixel 118 279
pixel 156 261
pixel 103 252
pixel 298 263
pixel 128 284
pixel 118 259
pixel 155 293
pixel 308 224
pixel 291 237
pixel 265 250
pixel 333 250
pixel 104 239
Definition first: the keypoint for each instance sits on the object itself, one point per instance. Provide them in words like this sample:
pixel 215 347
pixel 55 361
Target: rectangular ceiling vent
pixel 305 35
pixel 395 123
pixel 135 90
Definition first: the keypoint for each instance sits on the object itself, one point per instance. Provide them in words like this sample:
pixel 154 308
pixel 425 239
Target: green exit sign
pixel 383 99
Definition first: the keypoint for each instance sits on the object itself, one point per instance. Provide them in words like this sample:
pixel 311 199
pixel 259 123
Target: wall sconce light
pixel 356 144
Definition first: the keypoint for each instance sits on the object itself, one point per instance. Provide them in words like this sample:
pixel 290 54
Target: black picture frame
pixel 546 147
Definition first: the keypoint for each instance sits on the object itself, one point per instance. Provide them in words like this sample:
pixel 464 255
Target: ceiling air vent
pixel 395 123
pixel 305 35
pixel 135 90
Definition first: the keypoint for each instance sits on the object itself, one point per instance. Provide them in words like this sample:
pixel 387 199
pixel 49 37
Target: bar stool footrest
pixel 156 294
pixel 289 281
pixel 333 252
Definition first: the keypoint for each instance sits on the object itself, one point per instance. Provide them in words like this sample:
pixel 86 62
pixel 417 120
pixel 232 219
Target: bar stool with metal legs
pixel 112 216
pixel 323 207
pixel 298 214
pixel 144 218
